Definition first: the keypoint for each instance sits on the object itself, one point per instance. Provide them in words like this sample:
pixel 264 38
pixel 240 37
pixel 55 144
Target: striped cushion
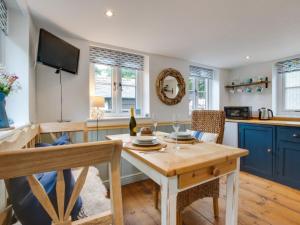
pixel 203 136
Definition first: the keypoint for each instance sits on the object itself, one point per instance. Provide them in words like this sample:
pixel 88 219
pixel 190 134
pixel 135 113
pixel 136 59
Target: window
pixel 118 80
pixel 288 86
pixel 3 31
pixel 199 87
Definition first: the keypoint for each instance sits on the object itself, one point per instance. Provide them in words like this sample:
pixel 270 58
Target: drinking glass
pixel 176 127
pixel 155 123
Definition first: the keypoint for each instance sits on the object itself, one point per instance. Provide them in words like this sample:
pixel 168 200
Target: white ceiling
pixel 218 33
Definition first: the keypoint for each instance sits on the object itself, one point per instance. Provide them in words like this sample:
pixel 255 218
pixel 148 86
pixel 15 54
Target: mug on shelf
pixel 259 89
pixel 248 90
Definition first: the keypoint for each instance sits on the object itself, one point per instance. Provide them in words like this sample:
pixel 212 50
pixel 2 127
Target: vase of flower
pixel 3 116
pixel 7 85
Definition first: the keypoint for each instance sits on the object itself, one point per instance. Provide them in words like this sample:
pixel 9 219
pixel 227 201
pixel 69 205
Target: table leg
pixel 168 200
pixel 232 195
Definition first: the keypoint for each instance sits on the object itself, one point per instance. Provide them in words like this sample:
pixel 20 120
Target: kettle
pixel 265 114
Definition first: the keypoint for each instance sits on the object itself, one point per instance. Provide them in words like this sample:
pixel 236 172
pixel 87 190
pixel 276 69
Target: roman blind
pixel 292 65
pixel 3 16
pixel 116 58
pixel 201 72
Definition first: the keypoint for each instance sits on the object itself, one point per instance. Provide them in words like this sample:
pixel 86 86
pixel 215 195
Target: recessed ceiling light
pixel 247 57
pixel 109 13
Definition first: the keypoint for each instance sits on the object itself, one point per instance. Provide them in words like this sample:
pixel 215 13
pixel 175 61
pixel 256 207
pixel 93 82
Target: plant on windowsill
pixel 8 84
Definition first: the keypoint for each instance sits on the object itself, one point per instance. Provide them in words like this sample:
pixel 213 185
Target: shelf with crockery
pixel 260 83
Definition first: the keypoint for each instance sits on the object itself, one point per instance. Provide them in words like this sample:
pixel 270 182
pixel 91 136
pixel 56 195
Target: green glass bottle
pixel 132 123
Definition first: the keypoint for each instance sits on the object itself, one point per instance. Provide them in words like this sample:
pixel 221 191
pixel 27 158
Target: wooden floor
pixel 262 202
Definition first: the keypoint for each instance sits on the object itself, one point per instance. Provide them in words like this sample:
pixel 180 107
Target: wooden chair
pixel 21 144
pixel 20 139
pixel 54 129
pixel 211 121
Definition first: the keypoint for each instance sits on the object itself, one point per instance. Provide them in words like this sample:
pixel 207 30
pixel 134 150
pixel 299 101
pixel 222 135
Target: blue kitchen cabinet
pixel 259 140
pixel 288 156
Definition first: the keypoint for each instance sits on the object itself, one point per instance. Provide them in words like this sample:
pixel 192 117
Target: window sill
pixel 106 121
pixel 112 118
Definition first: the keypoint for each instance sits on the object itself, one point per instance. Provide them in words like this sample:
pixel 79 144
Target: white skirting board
pixel 128 179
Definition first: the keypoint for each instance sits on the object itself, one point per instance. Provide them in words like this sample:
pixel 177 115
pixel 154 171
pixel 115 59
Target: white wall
pixel 33 43
pixel 255 100
pixel 20 59
pixel 17 47
pixel 76 88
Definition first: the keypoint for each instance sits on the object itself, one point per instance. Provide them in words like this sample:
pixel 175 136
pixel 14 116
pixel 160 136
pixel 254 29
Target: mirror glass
pixel 170 87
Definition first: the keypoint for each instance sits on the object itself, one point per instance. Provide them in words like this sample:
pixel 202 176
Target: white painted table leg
pixel 168 200
pixel 232 196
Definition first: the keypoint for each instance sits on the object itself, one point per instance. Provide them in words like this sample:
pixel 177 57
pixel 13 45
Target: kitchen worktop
pixel 274 122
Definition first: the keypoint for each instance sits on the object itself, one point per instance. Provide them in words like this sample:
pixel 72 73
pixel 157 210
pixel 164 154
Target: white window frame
pixel 2 50
pixel 208 96
pixel 117 92
pixel 281 98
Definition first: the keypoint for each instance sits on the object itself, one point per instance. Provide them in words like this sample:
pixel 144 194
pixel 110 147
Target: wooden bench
pixel 19 157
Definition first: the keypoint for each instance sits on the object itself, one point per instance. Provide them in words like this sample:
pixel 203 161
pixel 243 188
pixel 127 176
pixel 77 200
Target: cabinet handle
pixel 269 150
pixel 216 172
pixel 296 135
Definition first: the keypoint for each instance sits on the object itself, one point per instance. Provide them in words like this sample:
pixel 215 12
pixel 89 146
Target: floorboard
pixel 262 202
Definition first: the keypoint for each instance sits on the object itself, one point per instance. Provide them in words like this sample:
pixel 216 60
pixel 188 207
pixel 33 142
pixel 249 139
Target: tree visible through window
pixel 129 83
pixel 198 93
pixel 103 84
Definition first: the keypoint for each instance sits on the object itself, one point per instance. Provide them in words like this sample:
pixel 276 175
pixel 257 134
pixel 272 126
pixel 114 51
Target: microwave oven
pixel 238 112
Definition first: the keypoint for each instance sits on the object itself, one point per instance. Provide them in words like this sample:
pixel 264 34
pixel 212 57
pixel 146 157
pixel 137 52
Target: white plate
pixel 189 137
pixel 153 143
pixel 182 134
pixel 147 139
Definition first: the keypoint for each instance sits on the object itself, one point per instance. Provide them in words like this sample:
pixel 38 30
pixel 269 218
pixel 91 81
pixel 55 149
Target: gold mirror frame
pixel 160 89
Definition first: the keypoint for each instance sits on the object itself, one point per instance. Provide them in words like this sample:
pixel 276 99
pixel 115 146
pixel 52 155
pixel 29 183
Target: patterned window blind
pixel 116 58
pixel 290 71
pixel 3 16
pixel 201 72
pixel 292 65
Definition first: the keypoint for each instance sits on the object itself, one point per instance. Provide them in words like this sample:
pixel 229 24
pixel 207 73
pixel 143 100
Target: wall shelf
pixel 266 83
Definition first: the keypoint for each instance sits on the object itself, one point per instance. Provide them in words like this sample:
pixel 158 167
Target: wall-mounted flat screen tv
pixel 57 53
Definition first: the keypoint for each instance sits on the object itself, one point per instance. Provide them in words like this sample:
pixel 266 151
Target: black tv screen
pixel 57 53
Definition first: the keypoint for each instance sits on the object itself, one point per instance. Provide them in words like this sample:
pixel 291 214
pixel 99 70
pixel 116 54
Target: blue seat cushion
pixel 28 209
pixel 62 140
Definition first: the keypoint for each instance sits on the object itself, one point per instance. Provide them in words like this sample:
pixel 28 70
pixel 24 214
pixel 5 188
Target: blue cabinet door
pixel 259 140
pixel 288 156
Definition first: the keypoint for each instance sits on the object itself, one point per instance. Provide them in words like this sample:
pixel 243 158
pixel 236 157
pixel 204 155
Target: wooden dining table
pixel 176 170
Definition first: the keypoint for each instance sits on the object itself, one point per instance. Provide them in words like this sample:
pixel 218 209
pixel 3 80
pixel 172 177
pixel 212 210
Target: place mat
pixel 190 141
pixel 143 148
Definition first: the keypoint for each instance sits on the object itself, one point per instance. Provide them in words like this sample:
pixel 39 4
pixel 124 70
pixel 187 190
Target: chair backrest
pixel 69 127
pixel 25 137
pixel 212 121
pixel 57 158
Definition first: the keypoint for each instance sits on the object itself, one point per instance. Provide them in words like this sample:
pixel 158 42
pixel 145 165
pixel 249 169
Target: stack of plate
pixel 145 141
pixel 182 136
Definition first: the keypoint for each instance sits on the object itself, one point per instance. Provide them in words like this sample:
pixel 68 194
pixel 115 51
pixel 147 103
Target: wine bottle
pixel 132 123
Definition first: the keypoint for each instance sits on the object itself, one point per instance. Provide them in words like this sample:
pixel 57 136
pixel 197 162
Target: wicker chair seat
pixel 186 198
